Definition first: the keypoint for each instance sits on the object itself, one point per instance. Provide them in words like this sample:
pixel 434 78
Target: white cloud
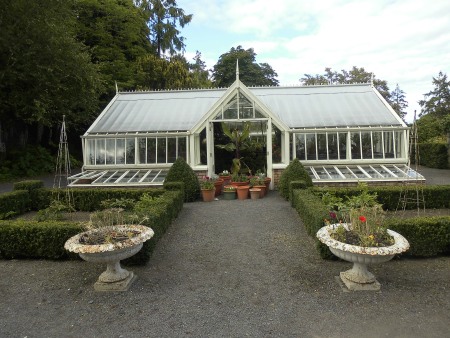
pixel 404 42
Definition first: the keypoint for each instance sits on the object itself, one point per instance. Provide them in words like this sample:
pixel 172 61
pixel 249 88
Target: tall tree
pixel 437 101
pixel 398 101
pixel 44 71
pixel 200 74
pixel 250 72
pixel 355 75
pixel 116 33
pixel 164 18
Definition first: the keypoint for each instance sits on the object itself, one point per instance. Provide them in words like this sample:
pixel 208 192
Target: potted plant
pixel 109 238
pixel 225 176
pixel 264 178
pixel 242 191
pixel 229 192
pixel 239 180
pixel 218 184
pixel 208 189
pixel 356 233
pixel 255 193
pixel 258 183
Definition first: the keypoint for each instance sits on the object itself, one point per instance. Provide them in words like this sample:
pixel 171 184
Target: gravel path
pixel 227 269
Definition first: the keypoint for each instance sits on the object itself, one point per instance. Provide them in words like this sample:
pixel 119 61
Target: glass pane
pixel 377 144
pixel 333 146
pixel 322 146
pixel 366 145
pixel 245 108
pixel 151 150
pixel 171 149
pixel 356 145
pixel 311 147
pixel 90 151
pixel 100 151
pixel 120 151
pixel 141 150
pixel 276 144
pixel 161 152
pixel 182 147
pixel 110 151
pixel 230 110
pixel 130 150
pixel 343 146
pixel 300 146
pixel 258 113
pixel 388 144
pixel 202 146
pixel 399 153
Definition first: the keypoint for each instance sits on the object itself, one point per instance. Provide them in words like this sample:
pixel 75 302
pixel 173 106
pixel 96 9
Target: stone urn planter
pixel 358 277
pixel 115 278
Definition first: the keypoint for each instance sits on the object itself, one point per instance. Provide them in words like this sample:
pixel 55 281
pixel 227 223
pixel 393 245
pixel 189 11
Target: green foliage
pixel 427 236
pixel 428 127
pixel 250 72
pixel 312 211
pixel 28 185
pixel 13 203
pixel 437 101
pixel 54 212
pixel 182 172
pixel 355 75
pixel 294 185
pixel 293 172
pixel 174 186
pixel 29 161
pixel 32 239
pixel 434 155
pixel 398 101
pixel 122 203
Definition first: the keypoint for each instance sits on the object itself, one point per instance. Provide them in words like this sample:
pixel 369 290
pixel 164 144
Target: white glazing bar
pixel 390 172
pixel 401 170
pixel 314 173
pixel 351 172
pixel 339 172
pixel 110 176
pixel 364 172
pixel 376 171
pixel 102 174
pixel 326 172
pixel 154 178
pixel 137 172
pixel 123 175
pixel 145 176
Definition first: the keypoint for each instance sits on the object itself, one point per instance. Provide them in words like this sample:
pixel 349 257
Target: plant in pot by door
pixel 239 180
pixel 363 240
pixel 242 192
pixel 229 192
pixel 258 183
pixel 218 184
pixel 225 176
pixel 110 238
pixel 208 189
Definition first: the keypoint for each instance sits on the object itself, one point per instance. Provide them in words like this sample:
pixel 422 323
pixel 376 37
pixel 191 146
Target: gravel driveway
pixel 227 269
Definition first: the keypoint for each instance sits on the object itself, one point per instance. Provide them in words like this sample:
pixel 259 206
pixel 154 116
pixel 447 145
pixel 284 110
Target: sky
pixel 405 42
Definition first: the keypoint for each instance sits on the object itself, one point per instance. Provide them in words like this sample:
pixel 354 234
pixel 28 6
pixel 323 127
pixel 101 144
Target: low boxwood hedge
pixel 14 203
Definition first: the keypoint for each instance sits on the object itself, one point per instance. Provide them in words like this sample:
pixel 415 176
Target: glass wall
pixel 140 150
pixel 354 145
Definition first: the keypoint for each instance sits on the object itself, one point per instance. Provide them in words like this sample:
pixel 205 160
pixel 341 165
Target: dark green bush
pixel 14 203
pixel 312 212
pixel 427 236
pixel 174 186
pixel 32 239
pixel 182 172
pixel 34 188
pixel 296 185
pixel 293 172
pixel 434 155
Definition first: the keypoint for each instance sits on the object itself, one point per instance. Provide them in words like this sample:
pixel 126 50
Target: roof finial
pixel 371 79
pixel 117 88
pixel 237 69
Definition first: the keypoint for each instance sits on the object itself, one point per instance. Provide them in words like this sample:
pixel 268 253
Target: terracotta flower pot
pixel 242 192
pixel 208 195
pixel 239 184
pixel 218 185
pixel 267 181
pixel 255 193
pixel 226 179
pixel 263 190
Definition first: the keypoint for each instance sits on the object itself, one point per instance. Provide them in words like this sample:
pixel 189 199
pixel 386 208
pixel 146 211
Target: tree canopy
pixel 398 102
pixel 437 101
pixel 251 73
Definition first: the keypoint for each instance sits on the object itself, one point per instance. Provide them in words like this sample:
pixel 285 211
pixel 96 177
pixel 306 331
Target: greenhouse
pixel 340 133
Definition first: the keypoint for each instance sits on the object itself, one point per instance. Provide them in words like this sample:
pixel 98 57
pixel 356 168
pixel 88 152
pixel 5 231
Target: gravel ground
pixel 227 269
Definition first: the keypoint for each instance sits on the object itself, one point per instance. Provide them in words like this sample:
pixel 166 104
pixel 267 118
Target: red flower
pixel 362 218
pixel 332 215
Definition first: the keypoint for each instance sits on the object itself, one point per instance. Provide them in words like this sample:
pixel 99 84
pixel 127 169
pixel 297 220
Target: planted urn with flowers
pixel 356 233
pixel 110 237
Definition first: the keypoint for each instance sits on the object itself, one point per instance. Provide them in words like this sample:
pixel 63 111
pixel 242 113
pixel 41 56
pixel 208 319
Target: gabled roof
pixel 297 107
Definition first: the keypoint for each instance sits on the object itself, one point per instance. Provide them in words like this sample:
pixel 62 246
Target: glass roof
pixel 136 177
pixel 364 172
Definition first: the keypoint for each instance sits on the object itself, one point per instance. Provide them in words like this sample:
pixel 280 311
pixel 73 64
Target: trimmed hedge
pixel 436 196
pixel 14 203
pixel 180 171
pixel 34 188
pixel 31 239
pixel 312 212
pixel 427 236
pixel 293 172
pixel 296 185
pixel 434 155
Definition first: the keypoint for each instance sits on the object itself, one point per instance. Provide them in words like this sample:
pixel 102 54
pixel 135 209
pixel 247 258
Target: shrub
pixel 312 211
pixel 293 172
pixel 427 236
pixel 34 188
pixel 14 203
pixel 434 155
pixel 182 172
pixel 296 185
